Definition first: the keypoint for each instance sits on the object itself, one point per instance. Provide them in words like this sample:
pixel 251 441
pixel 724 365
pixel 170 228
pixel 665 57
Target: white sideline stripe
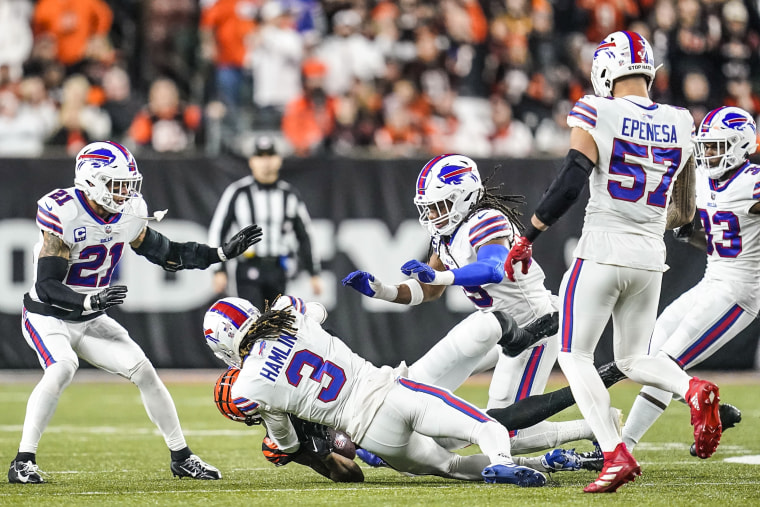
pixel 121 430
pixel 368 488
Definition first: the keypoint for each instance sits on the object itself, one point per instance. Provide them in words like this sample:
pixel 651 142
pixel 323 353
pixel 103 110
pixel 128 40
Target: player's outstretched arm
pixel 173 256
pixel 409 292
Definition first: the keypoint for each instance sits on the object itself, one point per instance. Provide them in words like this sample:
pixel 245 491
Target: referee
pixel 262 198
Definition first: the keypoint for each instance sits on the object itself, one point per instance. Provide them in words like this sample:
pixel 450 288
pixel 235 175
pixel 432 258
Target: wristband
pixel 415 290
pixel 531 233
pixel 220 253
pixel 385 292
pixel 87 304
pixel 443 278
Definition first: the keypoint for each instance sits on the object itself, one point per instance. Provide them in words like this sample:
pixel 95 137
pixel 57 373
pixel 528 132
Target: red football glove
pixel 521 251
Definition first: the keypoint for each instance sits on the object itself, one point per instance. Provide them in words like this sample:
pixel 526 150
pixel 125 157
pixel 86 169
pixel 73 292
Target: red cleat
pixel 703 398
pixel 619 467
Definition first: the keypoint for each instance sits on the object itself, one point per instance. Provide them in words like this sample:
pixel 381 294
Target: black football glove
pixel 684 232
pixel 314 436
pixel 240 242
pixel 108 297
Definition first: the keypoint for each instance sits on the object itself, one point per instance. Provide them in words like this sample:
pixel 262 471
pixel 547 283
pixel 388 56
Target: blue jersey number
pixel 94 257
pixel 730 244
pixel 629 159
pixel 320 368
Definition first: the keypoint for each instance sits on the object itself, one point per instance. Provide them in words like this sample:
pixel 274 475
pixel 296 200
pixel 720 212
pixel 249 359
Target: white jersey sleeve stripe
pixel 487 229
pixel 45 223
pixel 245 405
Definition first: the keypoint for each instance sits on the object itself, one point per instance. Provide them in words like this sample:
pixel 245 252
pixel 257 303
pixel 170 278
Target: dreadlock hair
pixel 490 199
pixel 270 325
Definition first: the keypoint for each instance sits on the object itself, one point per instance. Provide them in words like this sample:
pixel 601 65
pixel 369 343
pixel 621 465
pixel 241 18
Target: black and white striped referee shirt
pixel 280 212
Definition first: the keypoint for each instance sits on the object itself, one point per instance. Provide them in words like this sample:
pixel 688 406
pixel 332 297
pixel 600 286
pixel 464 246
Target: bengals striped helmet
pixel 223 399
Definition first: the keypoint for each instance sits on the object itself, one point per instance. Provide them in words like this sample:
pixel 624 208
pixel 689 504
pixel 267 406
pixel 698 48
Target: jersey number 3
pixel 320 368
pixel 629 159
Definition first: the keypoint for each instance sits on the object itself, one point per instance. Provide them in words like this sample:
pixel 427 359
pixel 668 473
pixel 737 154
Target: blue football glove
pixel 361 281
pixel 367 284
pixel 421 271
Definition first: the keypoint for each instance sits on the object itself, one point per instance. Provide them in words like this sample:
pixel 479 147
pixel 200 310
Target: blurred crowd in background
pixel 360 78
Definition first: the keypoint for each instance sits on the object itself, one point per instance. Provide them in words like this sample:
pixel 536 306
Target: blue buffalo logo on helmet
pixel 737 121
pixel 454 174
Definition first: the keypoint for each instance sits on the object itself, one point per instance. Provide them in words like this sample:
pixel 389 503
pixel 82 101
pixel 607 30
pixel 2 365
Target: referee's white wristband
pixel 415 290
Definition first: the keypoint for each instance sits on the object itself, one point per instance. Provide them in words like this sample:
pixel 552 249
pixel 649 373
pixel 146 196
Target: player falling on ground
pixel 291 365
pixel 471 230
pixel 727 299
pixel 84 232
pixel 633 150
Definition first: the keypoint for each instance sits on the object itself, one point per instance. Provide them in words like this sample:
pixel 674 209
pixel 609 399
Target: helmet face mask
pixel 725 140
pixel 107 174
pixel 621 54
pixel 448 187
pixel 226 324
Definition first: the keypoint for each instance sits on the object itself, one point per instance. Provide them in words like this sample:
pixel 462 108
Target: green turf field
pixel 101 449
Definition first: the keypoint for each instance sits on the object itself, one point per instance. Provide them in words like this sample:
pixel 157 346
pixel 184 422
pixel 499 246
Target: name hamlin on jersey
pixel 276 359
pixel 645 131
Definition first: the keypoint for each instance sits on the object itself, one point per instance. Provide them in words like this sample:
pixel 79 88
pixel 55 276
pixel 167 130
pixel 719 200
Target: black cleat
pixel 610 374
pixel 548 325
pixel 195 468
pixel 24 472
pixel 730 416
pixel 592 460
pixel 515 339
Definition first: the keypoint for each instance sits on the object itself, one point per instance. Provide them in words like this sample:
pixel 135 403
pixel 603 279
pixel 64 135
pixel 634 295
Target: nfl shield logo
pixel 108 229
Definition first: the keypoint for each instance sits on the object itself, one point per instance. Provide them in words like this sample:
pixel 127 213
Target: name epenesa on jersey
pixel 645 131
pixel 276 359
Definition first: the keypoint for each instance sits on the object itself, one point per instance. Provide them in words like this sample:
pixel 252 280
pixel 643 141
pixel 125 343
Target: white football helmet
pixel 730 134
pixel 225 325
pixel 450 186
pixel 621 54
pixel 107 173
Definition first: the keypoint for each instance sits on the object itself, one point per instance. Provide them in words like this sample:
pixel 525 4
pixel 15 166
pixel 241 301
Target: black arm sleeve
pixel 50 288
pixel 172 256
pixel 565 188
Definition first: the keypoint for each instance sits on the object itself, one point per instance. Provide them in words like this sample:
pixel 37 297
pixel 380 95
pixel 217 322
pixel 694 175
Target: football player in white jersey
pixel 727 299
pixel 84 231
pixel 291 365
pixel 471 231
pixel 632 150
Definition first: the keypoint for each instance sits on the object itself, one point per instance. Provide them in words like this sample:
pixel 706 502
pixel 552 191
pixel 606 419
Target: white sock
pixel 547 435
pixel 158 404
pixel 592 398
pixel 647 407
pixel 43 401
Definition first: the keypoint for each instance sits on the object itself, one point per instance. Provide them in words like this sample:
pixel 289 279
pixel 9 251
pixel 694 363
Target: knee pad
pixel 60 373
pixel 477 334
pixel 142 370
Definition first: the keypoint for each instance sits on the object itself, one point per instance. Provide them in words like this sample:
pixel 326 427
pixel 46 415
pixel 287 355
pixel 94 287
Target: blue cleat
pixel 370 459
pixel 561 460
pixel 513 474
